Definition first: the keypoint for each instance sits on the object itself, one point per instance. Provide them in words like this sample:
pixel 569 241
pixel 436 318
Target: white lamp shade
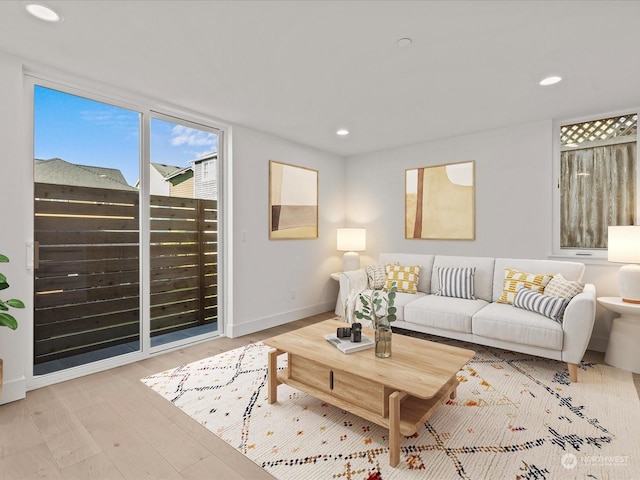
pixel 352 239
pixel 624 247
pixel 624 244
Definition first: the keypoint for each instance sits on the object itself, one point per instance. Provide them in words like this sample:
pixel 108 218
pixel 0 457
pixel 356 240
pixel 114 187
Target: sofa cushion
pixel 514 280
pixel 425 262
pixel 406 278
pixel 551 307
pixel 446 313
pixel 456 282
pixel 483 278
pixel 404 299
pixel 510 324
pixel 570 270
pixel 563 288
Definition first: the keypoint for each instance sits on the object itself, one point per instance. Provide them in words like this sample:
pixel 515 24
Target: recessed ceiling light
pixel 43 13
pixel 552 80
pixel 404 42
pixel 342 132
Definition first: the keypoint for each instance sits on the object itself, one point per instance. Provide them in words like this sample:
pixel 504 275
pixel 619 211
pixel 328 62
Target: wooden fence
pixel 87 280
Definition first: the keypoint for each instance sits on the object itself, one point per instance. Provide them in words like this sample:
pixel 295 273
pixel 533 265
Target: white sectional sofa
pixel 484 320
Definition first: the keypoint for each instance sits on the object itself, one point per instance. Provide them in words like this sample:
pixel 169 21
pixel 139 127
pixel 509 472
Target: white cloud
pixel 181 135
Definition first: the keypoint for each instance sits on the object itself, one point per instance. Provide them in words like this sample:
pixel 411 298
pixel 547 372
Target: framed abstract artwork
pixel 293 202
pixel 440 202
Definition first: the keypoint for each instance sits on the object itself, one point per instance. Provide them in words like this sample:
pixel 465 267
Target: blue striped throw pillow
pixel 456 282
pixel 552 307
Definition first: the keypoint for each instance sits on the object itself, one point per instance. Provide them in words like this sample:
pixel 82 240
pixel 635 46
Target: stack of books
pixel 345 345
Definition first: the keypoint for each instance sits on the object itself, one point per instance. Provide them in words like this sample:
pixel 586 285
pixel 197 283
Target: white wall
pixel 16 217
pixel 513 200
pixel 266 271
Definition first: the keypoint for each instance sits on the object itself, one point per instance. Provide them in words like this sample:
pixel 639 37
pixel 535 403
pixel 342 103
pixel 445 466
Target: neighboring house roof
pixel 179 172
pixel 170 173
pixel 208 156
pixel 61 172
pixel 166 170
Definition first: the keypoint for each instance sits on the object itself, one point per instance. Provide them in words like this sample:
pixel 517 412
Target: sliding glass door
pixel 126 237
pixel 86 230
pixel 183 175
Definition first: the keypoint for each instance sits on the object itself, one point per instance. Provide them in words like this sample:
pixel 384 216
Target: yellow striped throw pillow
pixel 514 280
pixel 406 277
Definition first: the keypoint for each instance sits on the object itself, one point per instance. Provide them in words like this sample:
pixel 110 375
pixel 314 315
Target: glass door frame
pixel 147 109
pixel 146 335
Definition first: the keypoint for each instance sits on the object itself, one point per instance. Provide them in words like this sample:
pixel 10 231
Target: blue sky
pixel 87 132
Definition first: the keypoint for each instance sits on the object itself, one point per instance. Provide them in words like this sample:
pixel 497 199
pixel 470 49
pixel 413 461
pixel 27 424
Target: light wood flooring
pixel 111 426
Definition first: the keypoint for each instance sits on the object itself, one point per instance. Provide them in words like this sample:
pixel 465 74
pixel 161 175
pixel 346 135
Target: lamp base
pixel 629 283
pixel 350 261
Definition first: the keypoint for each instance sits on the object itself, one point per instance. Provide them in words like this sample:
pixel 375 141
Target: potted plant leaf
pixel 6 319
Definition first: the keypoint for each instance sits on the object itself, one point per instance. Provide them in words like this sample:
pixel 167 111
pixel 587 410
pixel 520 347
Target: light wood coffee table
pixel 399 393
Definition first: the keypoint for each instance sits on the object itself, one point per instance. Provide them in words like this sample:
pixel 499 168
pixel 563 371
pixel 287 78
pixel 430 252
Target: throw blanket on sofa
pixel 352 286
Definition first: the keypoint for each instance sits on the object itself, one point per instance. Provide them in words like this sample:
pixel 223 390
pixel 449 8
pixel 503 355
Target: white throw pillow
pixel 456 282
pixel 376 276
pixel 559 286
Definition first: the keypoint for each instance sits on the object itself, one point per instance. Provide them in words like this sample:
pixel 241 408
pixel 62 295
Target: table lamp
pixel 351 241
pixel 624 247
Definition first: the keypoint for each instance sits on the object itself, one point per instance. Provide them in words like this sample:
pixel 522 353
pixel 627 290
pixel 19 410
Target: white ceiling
pixel 302 69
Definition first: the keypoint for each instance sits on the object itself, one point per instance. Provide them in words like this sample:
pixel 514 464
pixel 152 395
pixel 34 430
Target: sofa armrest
pixel 578 321
pixel 352 283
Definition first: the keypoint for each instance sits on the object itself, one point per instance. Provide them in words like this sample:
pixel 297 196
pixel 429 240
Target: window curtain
pixel 597 189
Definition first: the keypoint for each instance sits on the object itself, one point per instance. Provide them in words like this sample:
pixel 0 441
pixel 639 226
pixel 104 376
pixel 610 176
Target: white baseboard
pixel 253 326
pixel 13 390
pixel 598 344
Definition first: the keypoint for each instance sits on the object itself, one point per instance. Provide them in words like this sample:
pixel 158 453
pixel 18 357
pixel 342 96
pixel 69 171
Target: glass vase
pixel 383 339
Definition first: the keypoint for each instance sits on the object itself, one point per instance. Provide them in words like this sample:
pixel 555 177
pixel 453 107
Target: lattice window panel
pixel 599 130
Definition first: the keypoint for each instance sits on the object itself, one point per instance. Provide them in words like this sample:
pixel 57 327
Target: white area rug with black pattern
pixel 515 417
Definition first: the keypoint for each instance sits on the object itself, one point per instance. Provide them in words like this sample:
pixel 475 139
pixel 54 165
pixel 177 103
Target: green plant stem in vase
pixel 383 339
pixel 379 309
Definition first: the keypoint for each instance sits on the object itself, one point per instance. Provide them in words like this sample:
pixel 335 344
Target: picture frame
pixel 293 202
pixel 440 202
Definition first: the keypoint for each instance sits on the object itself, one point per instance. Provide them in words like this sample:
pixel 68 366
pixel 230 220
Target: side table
pixel 624 340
